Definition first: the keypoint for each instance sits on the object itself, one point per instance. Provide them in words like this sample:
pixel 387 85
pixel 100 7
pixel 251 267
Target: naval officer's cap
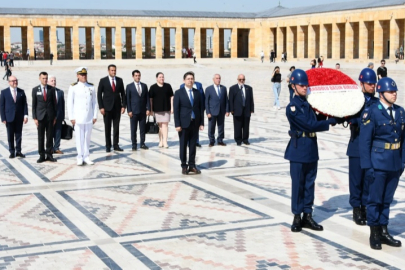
pixel 81 70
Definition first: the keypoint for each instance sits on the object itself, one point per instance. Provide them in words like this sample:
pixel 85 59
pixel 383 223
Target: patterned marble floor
pixel 135 210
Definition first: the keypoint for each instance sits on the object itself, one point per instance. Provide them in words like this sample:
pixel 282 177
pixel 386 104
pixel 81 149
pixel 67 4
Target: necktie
pixel 219 92
pixel 192 104
pixel 243 96
pixel 113 85
pixel 392 116
pixel 44 94
pixel 15 95
pixel 139 89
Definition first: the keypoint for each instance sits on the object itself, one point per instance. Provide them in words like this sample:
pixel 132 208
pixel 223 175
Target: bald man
pixel 241 105
pixel 14 112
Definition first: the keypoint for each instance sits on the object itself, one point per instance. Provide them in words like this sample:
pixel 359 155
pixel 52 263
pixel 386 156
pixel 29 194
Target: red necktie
pixel 44 94
pixel 113 85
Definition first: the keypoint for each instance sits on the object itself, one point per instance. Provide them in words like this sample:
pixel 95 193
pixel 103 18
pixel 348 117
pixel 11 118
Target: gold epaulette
pixel 73 84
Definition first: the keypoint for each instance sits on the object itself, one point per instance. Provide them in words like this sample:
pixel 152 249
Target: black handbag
pixel 151 127
pixel 67 131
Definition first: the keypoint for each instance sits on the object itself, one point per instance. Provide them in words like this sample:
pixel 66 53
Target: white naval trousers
pixel 83 138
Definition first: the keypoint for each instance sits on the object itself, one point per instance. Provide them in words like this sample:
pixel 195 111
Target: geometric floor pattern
pixel 135 210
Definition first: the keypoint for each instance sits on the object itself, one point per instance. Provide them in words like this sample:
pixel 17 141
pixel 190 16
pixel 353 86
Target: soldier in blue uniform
pixel 357 186
pixel 302 152
pixel 382 155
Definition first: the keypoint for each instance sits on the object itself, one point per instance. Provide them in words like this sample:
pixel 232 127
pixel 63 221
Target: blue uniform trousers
pixel 382 188
pixel 291 90
pixel 303 186
pixel 357 185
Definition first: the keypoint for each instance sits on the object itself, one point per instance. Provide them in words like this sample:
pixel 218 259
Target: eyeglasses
pixel 14 81
pixel 241 80
pixel 382 63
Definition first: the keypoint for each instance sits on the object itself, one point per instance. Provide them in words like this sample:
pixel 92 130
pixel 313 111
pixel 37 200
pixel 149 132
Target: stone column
pixel 204 43
pixel 394 38
pixel 138 42
pixel 118 42
pixel 378 40
pixel 148 42
pixel 158 42
pixel 68 43
pixel 221 42
pixel 185 39
pixel 311 42
pixel 280 43
pixel 89 45
pixel 349 40
pixel 300 42
pixel 234 43
pixel 166 33
pixel 197 42
pixel 46 43
pixel 7 40
pixel 128 42
pixel 335 41
pixel 363 38
pixel 108 42
pixel 54 42
pixel 323 41
pixel 97 43
pixel 178 43
pixel 252 43
pixel 30 40
pixel 290 42
pixel 75 43
pixel 215 42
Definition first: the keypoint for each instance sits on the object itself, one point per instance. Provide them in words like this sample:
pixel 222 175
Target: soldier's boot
pixel 308 222
pixel 375 241
pixel 387 239
pixel 357 216
pixel 296 225
pixel 363 213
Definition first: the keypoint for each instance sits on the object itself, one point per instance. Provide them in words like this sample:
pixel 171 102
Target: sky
pixel 180 5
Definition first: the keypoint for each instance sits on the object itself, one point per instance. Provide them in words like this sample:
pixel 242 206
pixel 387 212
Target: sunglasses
pixel 241 80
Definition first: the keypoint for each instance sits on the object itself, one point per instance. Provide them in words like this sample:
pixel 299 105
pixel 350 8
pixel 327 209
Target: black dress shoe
pixel 143 146
pixel 184 171
pixel 134 148
pixel 108 150
pixel 246 142
pixel 222 143
pixel 308 222
pixel 198 145
pixel 41 159
pixel 375 241
pixel 387 239
pixel 12 155
pixel 21 155
pixel 357 216
pixel 296 226
pixel 194 170
pixel 239 144
pixel 50 158
pixel 211 145
pixel 118 149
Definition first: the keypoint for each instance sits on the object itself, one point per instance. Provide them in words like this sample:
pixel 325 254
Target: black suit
pixel 13 113
pixel 45 113
pixel 112 102
pixel 241 108
pixel 60 117
pixel 183 118
pixel 138 105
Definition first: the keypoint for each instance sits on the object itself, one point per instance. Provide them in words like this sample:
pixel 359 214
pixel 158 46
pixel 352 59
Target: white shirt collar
pixel 12 88
pixel 241 85
pixel 111 78
pixel 386 106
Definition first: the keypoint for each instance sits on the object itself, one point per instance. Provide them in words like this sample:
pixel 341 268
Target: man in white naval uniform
pixel 82 111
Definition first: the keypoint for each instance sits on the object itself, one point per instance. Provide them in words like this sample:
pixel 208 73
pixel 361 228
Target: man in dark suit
pixel 188 119
pixel 44 115
pixel 241 106
pixel 112 103
pixel 60 115
pixel 216 106
pixel 138 108
pixel 14 112
pixel 199 87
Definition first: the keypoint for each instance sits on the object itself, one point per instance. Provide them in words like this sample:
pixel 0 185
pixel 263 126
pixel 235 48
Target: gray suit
pixel 217 106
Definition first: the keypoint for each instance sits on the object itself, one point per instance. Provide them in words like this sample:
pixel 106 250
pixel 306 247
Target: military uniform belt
pixel 310 134
pixel 387 146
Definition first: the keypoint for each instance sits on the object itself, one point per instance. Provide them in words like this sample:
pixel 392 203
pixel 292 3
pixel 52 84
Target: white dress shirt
pixel 388 111
pixel 112 79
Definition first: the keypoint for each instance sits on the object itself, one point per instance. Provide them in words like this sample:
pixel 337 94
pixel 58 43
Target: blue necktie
pixel 219 92
pixel 192 104
pixel 243 96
